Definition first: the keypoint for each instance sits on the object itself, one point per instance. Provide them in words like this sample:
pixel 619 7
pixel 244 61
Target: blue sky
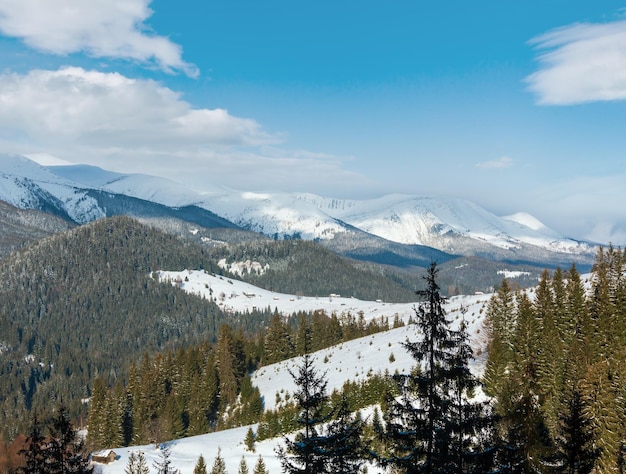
pixel 518 106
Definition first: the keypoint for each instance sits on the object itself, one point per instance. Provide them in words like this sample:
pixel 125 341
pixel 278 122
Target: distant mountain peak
pixel 527 220
pixel 452 225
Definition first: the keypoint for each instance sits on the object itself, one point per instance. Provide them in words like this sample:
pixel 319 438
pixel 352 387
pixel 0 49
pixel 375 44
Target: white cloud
pixel 100 28
pixel 140 126
pixel 587 207
pixel 92 108
pixel 500 163
pixel 581 63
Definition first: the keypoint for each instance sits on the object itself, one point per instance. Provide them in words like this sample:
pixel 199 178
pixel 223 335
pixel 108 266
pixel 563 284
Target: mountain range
pixel 400 230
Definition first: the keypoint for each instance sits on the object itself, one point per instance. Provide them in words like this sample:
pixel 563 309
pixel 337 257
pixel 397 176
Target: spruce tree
pixel 137 464
pixel 65 451
pixel 34 453
pixel 200 467
pixel 259 467
pixel 432 425
pixel 249 440
pixel 219 465
pixel 164 465
pixel 97 436
pixel 500 322
pixel 278 345
pixel 522 423
pixel 344 441
pixel 243 466
pixel 307 453
pixel 323 445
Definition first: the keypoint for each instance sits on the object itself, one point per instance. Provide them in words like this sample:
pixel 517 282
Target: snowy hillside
pixel 424 220
pixel 27 185
pixel 353 360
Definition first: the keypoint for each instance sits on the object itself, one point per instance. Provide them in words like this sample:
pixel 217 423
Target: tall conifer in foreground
pixel 307 452
pixel 329 440
pixel 433 425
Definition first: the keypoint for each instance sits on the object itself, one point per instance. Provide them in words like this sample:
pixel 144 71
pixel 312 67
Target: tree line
pixel 557 368
pixel 207 387
pixel 554 389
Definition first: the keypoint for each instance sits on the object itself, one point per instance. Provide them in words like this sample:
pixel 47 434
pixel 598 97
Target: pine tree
pixel 164 465
pixel 249 441
pixel 219 465
pixel 200 467
pixel 307 453
pixel 432 425
pixel 136 463
pixel 64 450
pixel 34 453
pixel 500 322
pixel 243 466
pixel 259 467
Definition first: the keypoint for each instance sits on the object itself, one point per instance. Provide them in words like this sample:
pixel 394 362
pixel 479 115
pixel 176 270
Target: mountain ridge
pixel 394 224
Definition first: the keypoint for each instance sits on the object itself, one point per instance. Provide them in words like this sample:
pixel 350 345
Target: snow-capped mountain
pixel 85 193
pixel 454 226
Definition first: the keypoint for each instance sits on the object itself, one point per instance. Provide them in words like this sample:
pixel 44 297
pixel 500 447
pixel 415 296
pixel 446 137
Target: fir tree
pixel 64 450
pixel 259 467
pixel 164 465
pixel 431 426
pixel 137 464
pixel 243 466
pixel 200 467
pixel 219 465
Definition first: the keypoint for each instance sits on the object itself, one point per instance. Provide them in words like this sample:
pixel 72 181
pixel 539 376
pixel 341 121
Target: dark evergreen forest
pixel 81 317
pixel 82 305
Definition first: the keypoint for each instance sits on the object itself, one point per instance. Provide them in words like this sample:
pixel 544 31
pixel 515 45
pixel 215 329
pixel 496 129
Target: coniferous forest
pixel 552 397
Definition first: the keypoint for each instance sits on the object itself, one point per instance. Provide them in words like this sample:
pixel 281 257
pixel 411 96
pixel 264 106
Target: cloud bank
pixel 100 28
pixel 581 63
pixel 99 109
pixel 140 126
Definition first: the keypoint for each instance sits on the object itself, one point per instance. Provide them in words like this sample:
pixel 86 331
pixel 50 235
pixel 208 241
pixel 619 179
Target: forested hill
pixel 83 303
pixel 19 227
pixel 307 268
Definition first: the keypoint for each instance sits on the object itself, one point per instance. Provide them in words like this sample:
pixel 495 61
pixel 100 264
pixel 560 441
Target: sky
pixel 517 106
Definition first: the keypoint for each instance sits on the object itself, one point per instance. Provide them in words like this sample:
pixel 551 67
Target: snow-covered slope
pixel 425 220
pixel 353 360
pixel 27 185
